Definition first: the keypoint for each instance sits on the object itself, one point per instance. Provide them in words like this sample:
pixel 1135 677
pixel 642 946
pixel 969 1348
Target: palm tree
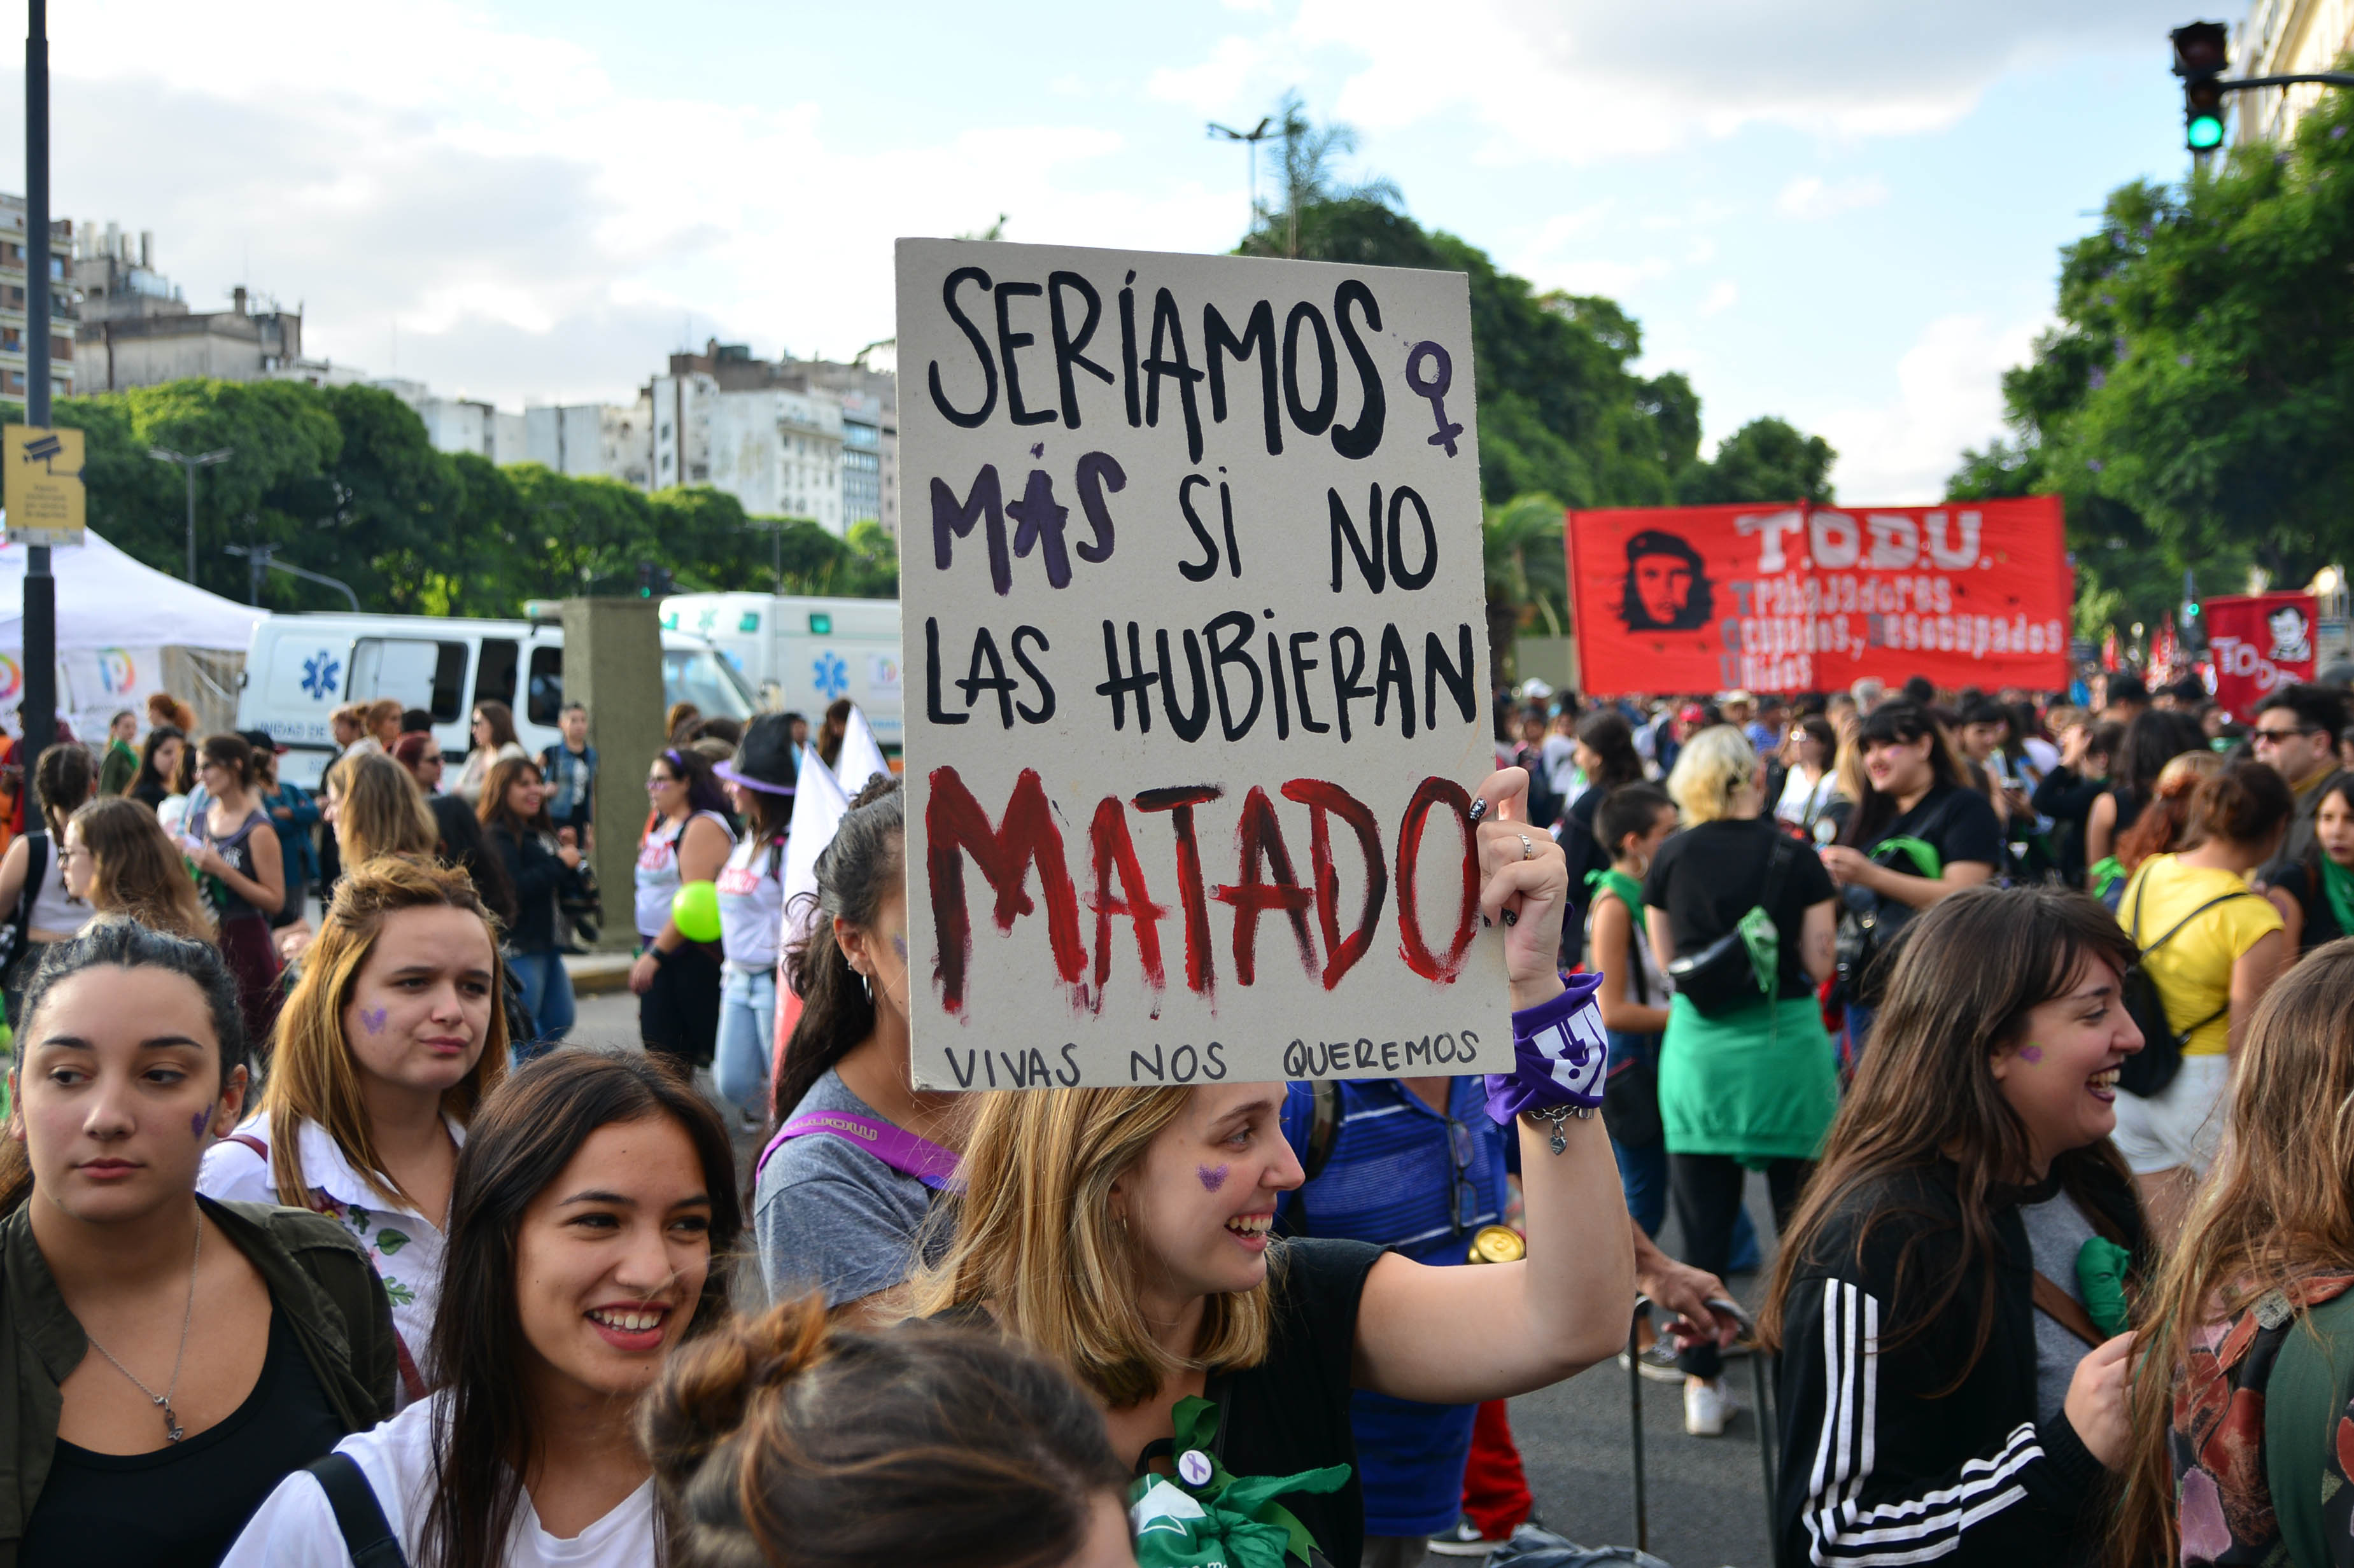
pixel 1527 573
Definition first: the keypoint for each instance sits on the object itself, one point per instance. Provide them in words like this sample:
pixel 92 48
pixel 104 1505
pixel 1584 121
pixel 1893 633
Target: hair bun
pixel 715 1384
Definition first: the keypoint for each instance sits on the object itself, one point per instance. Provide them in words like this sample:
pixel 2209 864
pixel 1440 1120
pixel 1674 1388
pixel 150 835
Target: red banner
pixel 1797 599
pixel 2261 643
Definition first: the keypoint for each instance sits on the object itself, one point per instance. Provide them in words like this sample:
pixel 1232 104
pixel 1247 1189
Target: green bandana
pixel 2338 882
pixel 2103 873
pixel 2101 1265
pixel 1219 1519
pixel 1630 891
pixel 1926 861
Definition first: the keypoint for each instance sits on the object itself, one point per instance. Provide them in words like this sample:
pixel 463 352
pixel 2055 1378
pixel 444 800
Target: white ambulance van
pixel 302 668
pixel 799 654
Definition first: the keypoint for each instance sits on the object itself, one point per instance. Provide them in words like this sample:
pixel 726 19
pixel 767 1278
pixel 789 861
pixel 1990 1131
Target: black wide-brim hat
pixel 764 759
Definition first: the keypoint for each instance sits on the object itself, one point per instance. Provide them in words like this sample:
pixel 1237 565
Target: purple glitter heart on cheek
pixel 2031 1054
pixel 1213 1177
pixel 196 1124
pixel 373 1018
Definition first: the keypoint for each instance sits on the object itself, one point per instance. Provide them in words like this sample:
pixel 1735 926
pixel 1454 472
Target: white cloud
pixel 1582 79
pixel 1216 84
pixel 1949 397
pixel 1807 196
pixel 538 228
pixel 1720 298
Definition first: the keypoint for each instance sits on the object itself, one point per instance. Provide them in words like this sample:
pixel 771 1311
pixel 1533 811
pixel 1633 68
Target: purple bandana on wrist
pixel 1561 1054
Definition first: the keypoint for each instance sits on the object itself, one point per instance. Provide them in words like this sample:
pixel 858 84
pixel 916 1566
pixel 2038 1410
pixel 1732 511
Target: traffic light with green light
pixel 2202 53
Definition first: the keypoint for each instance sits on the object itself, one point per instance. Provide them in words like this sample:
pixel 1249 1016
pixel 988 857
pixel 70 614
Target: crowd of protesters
pixel 2030 1015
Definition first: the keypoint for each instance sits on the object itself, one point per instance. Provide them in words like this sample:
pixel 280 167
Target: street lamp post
pixel 190 464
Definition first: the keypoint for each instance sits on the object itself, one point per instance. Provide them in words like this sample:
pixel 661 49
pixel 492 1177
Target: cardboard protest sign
pixel 1799 597
pixel 2261 643
pixel 1194 604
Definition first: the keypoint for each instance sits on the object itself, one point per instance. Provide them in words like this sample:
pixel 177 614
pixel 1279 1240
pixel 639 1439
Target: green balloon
pixel 694 910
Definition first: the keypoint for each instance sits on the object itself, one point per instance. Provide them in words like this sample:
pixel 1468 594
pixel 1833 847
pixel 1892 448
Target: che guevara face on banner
pixel 1666 584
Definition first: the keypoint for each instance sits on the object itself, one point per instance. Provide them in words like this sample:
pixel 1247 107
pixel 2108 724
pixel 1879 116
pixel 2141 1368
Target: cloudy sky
pixel 1846 212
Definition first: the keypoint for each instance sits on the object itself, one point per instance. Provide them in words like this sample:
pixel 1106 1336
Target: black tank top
pixel 184 1503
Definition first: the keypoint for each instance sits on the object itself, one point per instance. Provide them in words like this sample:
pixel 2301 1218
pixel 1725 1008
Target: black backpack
pixel 2148 1071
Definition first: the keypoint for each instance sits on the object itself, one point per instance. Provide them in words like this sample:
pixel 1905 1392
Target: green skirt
pixel 1759 1084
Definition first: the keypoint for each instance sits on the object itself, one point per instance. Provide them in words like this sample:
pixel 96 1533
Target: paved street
pixel 1705 1494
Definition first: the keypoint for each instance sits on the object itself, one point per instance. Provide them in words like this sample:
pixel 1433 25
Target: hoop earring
pixel 867 985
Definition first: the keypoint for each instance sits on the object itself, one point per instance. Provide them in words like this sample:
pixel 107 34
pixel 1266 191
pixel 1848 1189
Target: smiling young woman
pixel 392 1038
pixel 1124 1232
pixel 590 1233
pixel 119 1446
pixel 1952 1386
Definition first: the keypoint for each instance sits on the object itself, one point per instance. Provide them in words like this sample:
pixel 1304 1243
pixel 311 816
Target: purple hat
pixel 764 759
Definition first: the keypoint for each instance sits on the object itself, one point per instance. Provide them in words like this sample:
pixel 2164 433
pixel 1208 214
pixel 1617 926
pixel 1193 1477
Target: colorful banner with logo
pixel 2261 643
pixel 1797 598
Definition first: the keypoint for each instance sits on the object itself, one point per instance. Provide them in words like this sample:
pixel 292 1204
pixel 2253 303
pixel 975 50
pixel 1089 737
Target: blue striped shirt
pixel 1401 1175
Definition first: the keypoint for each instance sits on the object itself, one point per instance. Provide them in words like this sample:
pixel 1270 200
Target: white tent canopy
pixel 106 600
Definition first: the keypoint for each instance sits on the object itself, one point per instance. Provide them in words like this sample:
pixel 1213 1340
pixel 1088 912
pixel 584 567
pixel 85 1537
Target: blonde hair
pixel 1713 770
pixel 312 1076
pixel 2277 1208
pixel 379 809
pixel 1038 1245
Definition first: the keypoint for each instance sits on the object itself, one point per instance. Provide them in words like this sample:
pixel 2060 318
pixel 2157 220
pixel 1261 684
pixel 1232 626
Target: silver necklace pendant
pixel 173 1430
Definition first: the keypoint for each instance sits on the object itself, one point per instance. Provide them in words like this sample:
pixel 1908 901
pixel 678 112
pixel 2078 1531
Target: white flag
pixel 819 806
pixel 861 757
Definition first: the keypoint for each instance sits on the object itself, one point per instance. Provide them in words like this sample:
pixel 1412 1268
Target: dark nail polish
pixel 1485 921
pixel 1512 916
pixel 1478 809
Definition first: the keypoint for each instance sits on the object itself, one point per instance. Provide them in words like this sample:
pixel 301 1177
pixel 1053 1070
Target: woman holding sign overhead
pixel 1124 1232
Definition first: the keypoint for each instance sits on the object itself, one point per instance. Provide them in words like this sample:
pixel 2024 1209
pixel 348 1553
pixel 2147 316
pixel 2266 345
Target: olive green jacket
pixel 317 1276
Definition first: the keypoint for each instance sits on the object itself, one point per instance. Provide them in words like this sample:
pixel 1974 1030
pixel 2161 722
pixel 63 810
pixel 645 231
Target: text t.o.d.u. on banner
pixel 1198 672
pixel 1797 597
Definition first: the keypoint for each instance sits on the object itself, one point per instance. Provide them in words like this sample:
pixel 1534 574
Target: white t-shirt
pixel 404 1245
pixel 295 1528
pixel 752 904
pixel 1801 801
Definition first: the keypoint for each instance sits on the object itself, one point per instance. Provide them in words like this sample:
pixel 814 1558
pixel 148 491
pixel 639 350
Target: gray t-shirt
pixel 2056 1230
pixel 832 1216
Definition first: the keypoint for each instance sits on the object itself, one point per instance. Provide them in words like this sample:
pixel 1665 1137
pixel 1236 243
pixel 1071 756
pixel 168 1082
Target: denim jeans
pixel 548 992
pixel 747 1031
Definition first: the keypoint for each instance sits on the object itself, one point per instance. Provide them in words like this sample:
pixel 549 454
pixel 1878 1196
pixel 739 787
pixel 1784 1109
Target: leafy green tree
pixel 1766 459
pixel 2193 405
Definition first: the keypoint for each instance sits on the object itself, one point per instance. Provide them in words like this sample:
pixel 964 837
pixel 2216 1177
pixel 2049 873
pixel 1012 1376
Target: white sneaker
pixel 1707 1407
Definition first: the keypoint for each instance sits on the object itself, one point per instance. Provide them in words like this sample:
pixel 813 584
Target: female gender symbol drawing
pixel 1435 388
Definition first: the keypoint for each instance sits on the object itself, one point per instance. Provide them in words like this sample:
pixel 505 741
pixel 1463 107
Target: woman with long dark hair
pixel 2316 895
pixel 759 780
pixel 2259 1280
pixel 790 1443
pixel 2154 738
pixel 34 889
pixel 538 866
pixel 687 840
pixel 121 1446
pixel 589 1235
pixel 493 734
pixel 1810 785
pixel 1605 756
pixel 1919 833
pixel 1948 1300
pixel 859 1154
pixel 159 765
pixel 392 1038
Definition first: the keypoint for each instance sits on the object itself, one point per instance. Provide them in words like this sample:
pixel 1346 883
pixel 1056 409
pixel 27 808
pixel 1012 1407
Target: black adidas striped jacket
pixel 1880 1469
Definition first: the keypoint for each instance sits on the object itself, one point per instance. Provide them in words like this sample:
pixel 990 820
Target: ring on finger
pixel 1527 846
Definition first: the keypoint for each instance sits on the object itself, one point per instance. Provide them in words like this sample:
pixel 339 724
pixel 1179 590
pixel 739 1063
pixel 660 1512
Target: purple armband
pixel 1561 1055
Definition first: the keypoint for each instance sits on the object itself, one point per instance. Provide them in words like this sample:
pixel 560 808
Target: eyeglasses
pixel 2260 736
pixel 1467 1214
